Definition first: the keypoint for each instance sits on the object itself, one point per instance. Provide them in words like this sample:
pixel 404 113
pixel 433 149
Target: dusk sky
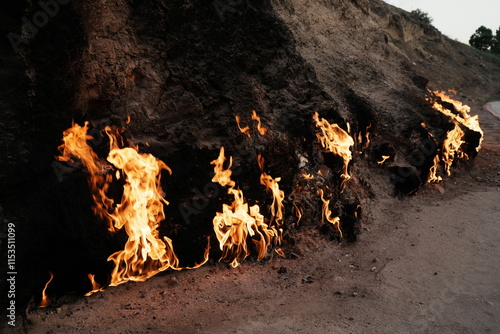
pixel 457 19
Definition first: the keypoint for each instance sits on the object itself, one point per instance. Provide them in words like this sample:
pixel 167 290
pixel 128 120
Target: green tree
pixel 482 39
pixel 496 43
pixel 421 15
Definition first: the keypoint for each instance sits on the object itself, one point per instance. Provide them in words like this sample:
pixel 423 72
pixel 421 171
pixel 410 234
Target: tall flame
pixel 45 299
pixel 238 221
pixel 140 212
pixel 334 139
pixel 327 213
pixel 75 145
pixel 141 207
pixel 272 185
pixel 451 147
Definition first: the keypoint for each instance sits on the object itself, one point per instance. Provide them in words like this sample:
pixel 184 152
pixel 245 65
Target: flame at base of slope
pixel 327 213
pixel 141 207
pixel 45 299
pixel 451 149
pixel 272 185
pixel 238 221
pixel 96 287
pixel 464 118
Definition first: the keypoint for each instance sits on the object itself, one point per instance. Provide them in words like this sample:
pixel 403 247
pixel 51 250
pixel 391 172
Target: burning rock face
pixel 240 228
pixel 296 162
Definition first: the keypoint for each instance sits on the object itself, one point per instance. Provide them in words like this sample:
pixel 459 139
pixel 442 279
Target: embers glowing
pixel 334 139
pixel 238 221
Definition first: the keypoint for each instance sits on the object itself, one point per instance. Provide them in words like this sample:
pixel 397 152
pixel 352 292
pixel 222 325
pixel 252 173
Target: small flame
pixel 245 130
pixel 298 213
pixel 96 287
pixel 334 139
pixel 45 299
pixel 280 252
pixel 433 177
pixel 367 136
pixel 307 176
pixel 327 213
pixel 384 158
pixel 262 130
pixel 238 221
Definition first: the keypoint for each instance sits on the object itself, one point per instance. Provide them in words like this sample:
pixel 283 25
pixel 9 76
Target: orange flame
pixel 262 130
pixel 245 130
pixel 464 118
pixel 367 136
pixel 451 147
pixel 433 177
pixel 238 221
pixel 75 145
pixel 327 213
pixel 307 176
pixel 45 299
pixel 141 207
pixel 280 252
pixel 96 287
pixel 140 212
pixel 334 139
pixel 384 158
pixel 272 185
pixel 298 213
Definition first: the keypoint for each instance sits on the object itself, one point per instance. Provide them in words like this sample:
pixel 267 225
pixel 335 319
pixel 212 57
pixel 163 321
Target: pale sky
pixel 457 19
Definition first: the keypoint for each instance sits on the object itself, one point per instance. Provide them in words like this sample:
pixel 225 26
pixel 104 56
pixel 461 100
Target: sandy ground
pixel 425 264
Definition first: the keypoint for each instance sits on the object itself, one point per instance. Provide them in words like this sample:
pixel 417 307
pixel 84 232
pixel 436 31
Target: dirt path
pixel 425 264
